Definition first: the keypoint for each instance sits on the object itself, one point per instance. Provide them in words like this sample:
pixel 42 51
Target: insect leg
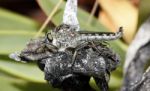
pixel 94 46
pixel 102 84
pixel 76 50
pixel 51 47
pixel 74 57
pixel 81 45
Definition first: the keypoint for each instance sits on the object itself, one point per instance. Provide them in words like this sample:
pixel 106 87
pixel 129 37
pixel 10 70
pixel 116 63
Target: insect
pixel 70 57
pixel 61 73
pixel 66 69
pixel 65 36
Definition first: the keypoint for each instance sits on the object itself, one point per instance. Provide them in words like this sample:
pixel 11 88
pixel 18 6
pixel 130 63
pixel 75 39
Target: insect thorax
pixel 63 37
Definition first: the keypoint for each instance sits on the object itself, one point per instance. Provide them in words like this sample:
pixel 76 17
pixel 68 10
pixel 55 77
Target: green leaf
pixel 14 40
pixel 15 84
pixel 13 21
pixel 28 71
pixel 144 11
pixel 12 43
pixel 15 31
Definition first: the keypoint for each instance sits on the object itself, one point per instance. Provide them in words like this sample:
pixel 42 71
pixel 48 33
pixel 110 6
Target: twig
pixel 49 18
pixel 92 12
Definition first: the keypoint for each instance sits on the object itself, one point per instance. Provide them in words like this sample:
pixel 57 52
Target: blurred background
pixel 21 19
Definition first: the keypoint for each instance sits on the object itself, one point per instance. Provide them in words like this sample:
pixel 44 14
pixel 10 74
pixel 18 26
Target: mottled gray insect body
pixel 15 56
pixel 70 57
pixel 88 62
pixel 35 50
pixel 100 36
pixel 65 36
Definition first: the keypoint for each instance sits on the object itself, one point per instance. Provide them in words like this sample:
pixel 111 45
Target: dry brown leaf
pixel 122 13
pixel 105 20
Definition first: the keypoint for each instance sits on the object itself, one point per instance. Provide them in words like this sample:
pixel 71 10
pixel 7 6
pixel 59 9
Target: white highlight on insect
pixel 15 56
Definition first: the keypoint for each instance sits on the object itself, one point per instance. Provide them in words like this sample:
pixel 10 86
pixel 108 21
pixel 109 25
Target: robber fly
pixel 70 57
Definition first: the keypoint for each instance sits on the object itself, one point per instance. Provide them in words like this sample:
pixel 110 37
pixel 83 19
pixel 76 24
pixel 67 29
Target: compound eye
pixel 49 37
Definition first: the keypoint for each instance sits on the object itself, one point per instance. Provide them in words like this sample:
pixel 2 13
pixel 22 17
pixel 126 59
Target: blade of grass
pixel 49 18
pixel 92 12
pixel 15 84
pixel 144 11
pixel 15 31
pixel 11 21
pixel 25 71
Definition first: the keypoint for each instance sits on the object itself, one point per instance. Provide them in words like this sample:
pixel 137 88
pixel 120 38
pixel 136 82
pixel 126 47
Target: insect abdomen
pixel 101 36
